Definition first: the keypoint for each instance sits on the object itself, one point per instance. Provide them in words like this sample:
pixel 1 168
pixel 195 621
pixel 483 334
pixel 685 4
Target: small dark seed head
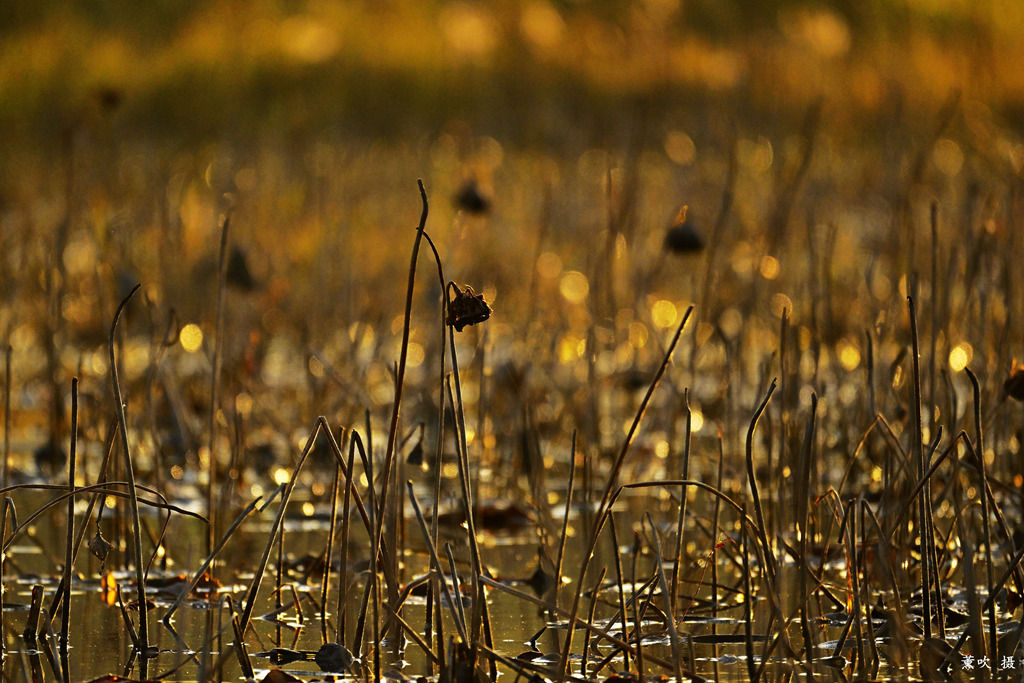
pixel 471 200
pixel 50 459
pixel 238 274
pixel 682 236
pixel 1014 384
pixel 467 308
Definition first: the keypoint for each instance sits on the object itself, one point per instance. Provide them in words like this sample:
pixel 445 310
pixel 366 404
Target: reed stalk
pixel 211 425
pixel 979 440
pixel 69 549
pixel 133 496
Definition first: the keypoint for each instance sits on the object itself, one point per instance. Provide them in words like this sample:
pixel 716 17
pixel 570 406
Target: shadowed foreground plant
pixel 466 308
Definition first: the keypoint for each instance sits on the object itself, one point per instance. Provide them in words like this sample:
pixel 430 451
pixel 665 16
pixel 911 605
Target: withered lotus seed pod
pixel 682 236
pixel 238 274
pixel 1013 386
pixel 471 200
pixel 467 308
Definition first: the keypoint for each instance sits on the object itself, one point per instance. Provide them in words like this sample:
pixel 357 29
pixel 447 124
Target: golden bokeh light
pixel 574 287
pixel 637 334
pixel 571 348
pixel 948 157
pixel 542 25
pixel 415 355
pixel 730 322
pixel 961 356
pixel 469 30
pixel 780 303
pixel 664 313
pixel 680 148
pixel 549 265
pixel 849 356
pixel 243 403
pixel 191 337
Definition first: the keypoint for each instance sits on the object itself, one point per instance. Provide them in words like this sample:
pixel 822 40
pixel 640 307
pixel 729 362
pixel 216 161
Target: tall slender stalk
pixel 917 451
pixel 590 622
pixel 329 552
pixel 389 454
pixel 218 345
pixel 986 527
pixel 133 496
pixel 434 618
pixel 748 614
pixel 7 512
pixel 7 414
pixel 565 519
pixel 678 555
pixel 620 581
pixel 69 549
pixel 769 556
pixel 345 531
pixel 803 494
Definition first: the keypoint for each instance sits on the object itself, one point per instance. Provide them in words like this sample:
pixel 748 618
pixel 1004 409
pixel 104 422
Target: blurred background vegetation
pixel 539 72
pixel 794 130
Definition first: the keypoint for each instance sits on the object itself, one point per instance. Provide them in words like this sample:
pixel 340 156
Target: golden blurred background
pixel 534 70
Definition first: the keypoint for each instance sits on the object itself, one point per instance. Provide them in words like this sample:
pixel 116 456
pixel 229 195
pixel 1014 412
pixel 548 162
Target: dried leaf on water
pixel 174 585
pixel 333 657
pixel 493 516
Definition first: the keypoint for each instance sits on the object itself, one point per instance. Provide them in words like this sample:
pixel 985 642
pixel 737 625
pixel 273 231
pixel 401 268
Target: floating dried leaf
pixel 333 657
pixel 174 585
pixel 493 516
